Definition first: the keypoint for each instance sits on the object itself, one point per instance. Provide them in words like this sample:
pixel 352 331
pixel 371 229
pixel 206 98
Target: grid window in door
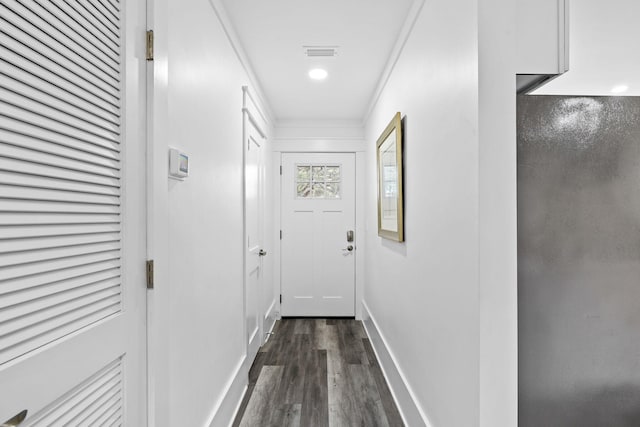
pixel 317 181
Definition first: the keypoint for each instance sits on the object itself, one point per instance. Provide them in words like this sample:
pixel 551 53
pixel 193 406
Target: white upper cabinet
pixel 542 36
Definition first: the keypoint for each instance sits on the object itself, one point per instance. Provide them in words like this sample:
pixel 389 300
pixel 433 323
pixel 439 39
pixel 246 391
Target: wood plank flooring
pixel 317 373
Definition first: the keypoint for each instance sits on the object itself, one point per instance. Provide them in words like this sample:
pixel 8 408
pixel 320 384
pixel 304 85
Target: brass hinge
pixel 149 45
pixel 150 274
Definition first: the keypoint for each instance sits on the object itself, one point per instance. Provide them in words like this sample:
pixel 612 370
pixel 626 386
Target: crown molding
pixel 401 41
pixel 234 40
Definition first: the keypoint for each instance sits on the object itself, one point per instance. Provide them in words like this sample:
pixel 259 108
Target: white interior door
pixel 318 212
pixel 254 143
pixel 72 309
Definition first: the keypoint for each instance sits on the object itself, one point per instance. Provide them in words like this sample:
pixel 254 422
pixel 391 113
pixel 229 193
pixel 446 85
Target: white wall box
pixel 178 164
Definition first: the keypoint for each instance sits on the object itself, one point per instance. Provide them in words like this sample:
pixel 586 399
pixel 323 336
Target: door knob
pixel 262 252
pixel 348 248
pixel 16 420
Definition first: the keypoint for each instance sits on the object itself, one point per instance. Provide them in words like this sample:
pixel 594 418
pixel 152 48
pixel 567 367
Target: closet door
pixel 71 133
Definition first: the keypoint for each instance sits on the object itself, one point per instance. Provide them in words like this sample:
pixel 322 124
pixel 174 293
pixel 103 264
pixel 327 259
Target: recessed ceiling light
pixel 620 89
pixel 318 74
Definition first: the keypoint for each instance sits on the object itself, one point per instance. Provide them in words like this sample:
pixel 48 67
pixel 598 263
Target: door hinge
pixel 280 170
pixel 280 298
pixel 280 234
pixel 149 48
pixel 150 274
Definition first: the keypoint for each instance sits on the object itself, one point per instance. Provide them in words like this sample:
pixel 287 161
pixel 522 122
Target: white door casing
pixel 318 209
pixel 254 139
pixel 72 249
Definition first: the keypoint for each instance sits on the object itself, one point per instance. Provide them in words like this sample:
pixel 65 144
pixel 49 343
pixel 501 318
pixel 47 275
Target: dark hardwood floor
pixel 316 373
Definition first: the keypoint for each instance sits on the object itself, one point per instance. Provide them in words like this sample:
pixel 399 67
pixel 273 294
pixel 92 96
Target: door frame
pixel 321 146
pixel 252 115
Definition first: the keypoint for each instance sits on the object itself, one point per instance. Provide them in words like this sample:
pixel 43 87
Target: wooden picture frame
pixel 390 195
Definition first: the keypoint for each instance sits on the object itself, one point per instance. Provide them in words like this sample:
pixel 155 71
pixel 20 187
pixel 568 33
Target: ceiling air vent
pixel 322 51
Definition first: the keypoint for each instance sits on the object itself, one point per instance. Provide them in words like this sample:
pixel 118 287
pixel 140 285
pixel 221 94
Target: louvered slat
pixel 60 123
pixel 43 313
pixel 86 33
pixel 53 22
pixel 41 280
pixel 16 259
pixel 110 8
pixel 45 194
pixel 29 69
pixel 96 396
pixel 60 161
pixel 28 46
pixel 58 115
pixel 80 14
pixel 98 9
pixel 98 399
pixel 30 168
pixel 37 218
pixel 13 130
pixel 22 245
pixel 44 266
pixel 115 4
pixel 54 104
pixel 12 178
pixel 52 123
pixel 57 41
pixel 15 205
pixel 101 280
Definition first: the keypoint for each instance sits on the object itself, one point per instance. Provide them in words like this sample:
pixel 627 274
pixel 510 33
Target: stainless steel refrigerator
pixel 579 261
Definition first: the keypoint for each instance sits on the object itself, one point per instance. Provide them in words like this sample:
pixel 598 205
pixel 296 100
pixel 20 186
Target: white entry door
pixel 72 224
pixel 318 242
pixel 254 143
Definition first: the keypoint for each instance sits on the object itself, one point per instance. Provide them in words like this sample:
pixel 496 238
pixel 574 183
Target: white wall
pixel 431 297
pixel 199 222
pixel 497 212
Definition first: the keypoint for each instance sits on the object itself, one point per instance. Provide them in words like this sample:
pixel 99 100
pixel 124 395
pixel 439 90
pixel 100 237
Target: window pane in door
pixel 304 173
pixel 333 173
pixel 318 173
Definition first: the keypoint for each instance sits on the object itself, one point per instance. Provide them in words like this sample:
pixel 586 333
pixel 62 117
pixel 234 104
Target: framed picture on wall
pixel 390 203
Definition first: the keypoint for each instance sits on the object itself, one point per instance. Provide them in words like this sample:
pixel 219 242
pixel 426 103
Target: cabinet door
pixel 542 36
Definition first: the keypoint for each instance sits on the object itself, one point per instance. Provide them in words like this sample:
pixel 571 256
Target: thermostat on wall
pixel 178 164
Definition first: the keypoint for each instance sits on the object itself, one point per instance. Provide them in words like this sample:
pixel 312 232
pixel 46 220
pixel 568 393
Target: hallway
pixel 317 372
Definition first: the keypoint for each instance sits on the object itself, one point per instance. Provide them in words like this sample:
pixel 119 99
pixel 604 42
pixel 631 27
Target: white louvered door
pixel 72 217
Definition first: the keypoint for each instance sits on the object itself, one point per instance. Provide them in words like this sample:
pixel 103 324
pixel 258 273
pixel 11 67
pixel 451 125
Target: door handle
pixel 350 236
pixel 262 252
pixel 348 248
pixel 16 420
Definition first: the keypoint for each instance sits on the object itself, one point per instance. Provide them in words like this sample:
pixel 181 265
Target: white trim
pixel 360 238
pixel 315 138
pixel 270 318
pixel 319 145
pixel 229 30
pixel 403 37
pixel 228 404
pixel 254 121
pixel 321 123
pixel 410 410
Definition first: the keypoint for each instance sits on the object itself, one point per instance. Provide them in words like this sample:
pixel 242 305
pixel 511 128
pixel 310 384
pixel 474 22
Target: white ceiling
pixel 604 43
pixel 272 33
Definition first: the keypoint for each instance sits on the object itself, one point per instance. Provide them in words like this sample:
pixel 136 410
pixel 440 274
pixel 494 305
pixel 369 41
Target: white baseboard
pixel 270 318
pixel 227 406
pixel 411 412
